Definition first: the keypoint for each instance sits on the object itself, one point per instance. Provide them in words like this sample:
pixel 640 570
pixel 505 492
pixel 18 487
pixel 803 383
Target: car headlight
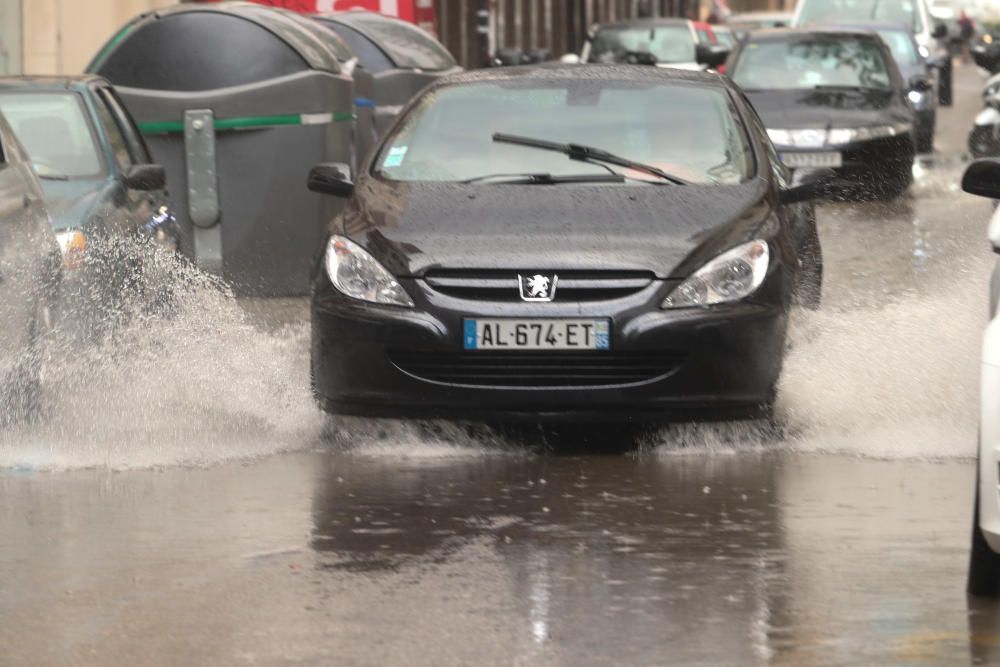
pixel 732 276
pixel 73 244
pixel 850 135
pixel 915 96
pixel 357 274
pixel 925 53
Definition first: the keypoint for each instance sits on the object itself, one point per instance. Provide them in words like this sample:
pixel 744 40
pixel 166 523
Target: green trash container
pixel 238 102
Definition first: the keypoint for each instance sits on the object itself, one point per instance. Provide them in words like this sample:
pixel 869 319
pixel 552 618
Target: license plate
pixel 537 334
pixel 829 159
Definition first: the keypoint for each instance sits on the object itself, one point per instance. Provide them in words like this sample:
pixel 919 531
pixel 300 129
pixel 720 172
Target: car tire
pixel 925 139
pixel 895 186
pixel 809 282
pixel 945 87
pixel 984 563
pixel 22 393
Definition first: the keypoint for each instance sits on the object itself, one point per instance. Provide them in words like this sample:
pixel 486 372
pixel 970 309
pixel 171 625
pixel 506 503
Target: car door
pixel 28 251
pixel 144 205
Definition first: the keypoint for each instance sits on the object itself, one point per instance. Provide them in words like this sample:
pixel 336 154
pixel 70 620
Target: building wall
pixel 61 36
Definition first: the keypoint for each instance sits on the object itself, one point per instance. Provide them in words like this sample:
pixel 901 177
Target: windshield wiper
pixel 547 179
pixel 53 177
pixel 859 88
pixel 590 154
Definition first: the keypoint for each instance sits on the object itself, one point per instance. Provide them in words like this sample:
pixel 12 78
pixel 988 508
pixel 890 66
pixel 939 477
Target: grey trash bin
pixel 402 58
pixel 238 101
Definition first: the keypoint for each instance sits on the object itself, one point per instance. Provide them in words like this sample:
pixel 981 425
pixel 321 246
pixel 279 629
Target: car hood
pixel 663 229
pixel 804 109
pixel 71 203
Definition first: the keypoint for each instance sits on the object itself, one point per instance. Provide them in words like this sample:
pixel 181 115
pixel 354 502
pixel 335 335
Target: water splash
pixel 185 381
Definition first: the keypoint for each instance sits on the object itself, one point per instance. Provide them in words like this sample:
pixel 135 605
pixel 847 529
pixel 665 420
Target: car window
pixel 704 37
pixel 811 62
pixel 119 147
pixel 371 57
pixel 668 43
pixel 690 131
pixel 902 47
pixel 136 145
pixel 408 46
pixel 55 131
pixel 839 11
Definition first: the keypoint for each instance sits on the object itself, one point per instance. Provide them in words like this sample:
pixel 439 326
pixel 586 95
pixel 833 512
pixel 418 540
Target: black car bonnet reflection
pixel 414 227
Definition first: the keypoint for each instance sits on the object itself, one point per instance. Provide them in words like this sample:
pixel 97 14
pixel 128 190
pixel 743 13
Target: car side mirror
pixel 988 59
pixel 570 59
pixel 982 178
pixel 331 178
pixel 146 177
pixel 940 31
pixel 809 184
pixel 711 55
pixel 921 84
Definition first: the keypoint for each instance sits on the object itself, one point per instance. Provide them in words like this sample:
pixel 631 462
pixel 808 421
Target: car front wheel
pixel 984 563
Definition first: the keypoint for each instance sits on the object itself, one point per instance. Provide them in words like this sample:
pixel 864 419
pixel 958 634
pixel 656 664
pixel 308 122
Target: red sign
pixel 420 12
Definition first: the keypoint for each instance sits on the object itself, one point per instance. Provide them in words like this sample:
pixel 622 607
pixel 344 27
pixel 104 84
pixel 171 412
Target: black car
pixel 29 278
pixel 832 98
pixel 490 265
pixel 917 72
pixel 102 189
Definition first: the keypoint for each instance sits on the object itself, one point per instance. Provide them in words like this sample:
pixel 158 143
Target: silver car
pixel 30 270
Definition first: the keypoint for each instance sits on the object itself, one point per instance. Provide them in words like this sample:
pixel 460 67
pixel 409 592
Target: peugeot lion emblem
pixel 538 287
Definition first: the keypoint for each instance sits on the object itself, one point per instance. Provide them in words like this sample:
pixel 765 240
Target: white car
pixel 664 42
pixel 983 178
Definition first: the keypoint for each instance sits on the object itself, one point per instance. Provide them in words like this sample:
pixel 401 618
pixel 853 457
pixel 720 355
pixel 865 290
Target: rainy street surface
pixel 182 502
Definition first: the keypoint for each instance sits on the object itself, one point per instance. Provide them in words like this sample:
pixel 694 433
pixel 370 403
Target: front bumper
pixel 728 359
pixel 989 456
pixel 870 162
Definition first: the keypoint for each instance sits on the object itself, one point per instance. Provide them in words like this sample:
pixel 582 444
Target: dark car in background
pixel 103 191
pixel 401 57
pixel 564 242
pixel 917 73
pixel 832 98
pixel 29 278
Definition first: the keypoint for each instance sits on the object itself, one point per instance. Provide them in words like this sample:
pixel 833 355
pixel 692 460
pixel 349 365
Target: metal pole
pixel 483 32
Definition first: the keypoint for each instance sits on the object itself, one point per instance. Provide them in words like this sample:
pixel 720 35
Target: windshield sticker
pixel 395 156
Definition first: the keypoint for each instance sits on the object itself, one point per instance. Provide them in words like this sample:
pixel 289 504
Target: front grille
pixel 537 369
pixel 573 286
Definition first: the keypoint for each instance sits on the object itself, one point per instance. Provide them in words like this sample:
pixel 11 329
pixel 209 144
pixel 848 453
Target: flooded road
pixel 182 502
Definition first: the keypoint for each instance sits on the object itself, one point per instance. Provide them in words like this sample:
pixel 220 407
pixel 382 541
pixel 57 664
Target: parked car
pixel 832 98
pixel 402 57
pixel 931 34
pixel 986 52
pixel 490 265
pixel 29 278
pixel 743 24
pixel 917 73
pixel 982 178
pixel 984 138
pixel 663 42
pixel 101 186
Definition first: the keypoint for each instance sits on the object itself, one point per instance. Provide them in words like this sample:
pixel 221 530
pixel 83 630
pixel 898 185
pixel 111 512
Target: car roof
pixel 639 23
pixel 761 16
pixel 593 72
pixel 872 25
pixel 72 82
pixel 781 34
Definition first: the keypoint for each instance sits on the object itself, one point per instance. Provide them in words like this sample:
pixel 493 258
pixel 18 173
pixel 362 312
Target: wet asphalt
pixel 838 537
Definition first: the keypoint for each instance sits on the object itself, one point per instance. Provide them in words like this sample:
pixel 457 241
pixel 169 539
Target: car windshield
pixel 902 47
pixel 905 12
pixel 55 132
pixel 669 43
pixel 691 132
pixel 812 62
pixel 408 46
